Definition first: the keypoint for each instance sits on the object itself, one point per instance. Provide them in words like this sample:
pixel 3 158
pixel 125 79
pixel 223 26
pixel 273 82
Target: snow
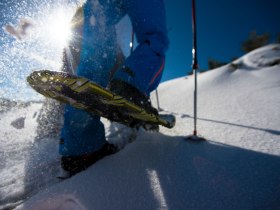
pixel 21 155
pixel 236 168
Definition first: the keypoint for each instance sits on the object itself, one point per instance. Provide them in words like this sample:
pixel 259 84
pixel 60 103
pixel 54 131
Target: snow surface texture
pixel 237 168
pixel 29 148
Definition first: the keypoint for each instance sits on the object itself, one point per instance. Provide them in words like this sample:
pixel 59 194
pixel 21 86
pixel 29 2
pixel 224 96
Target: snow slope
pixel 238 104
pixel 237 168
pixel 24 162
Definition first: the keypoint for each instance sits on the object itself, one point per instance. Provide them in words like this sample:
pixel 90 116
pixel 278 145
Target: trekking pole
pixel 194 68
pixel 159 109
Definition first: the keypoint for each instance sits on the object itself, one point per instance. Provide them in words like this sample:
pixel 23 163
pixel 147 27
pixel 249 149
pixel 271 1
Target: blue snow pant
pixel 83 132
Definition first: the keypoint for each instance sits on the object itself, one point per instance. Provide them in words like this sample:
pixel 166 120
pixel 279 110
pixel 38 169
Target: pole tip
pixel 195 137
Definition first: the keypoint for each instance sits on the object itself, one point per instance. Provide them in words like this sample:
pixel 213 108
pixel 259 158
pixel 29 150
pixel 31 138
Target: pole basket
pixel 195 138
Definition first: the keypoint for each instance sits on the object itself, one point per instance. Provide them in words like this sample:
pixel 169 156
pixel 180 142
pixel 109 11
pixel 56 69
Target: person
pixel 94 53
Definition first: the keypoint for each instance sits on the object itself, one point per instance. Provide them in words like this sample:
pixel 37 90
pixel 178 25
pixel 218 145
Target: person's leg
pixel 83 133
pixel 143 68
pixel 99 44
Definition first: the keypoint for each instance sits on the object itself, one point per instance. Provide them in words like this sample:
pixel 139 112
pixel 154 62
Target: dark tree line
pixel 254 41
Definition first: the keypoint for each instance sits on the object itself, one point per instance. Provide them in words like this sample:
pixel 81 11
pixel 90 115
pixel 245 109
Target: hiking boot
pixel 76 164
pixel 132 94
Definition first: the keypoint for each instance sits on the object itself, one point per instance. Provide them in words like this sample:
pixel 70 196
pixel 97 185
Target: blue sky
pixel 222 25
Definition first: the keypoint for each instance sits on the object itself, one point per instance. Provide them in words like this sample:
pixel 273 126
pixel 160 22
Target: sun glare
pixel 58 27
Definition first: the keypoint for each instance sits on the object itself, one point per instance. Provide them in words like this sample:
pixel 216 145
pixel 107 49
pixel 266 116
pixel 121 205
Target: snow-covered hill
pixel 237 168
pixel 238 104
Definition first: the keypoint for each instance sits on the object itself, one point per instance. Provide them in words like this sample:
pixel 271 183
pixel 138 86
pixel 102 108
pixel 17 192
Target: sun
pixel 58 27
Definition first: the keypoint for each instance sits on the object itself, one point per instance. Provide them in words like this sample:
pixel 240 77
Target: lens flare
pixel 57 28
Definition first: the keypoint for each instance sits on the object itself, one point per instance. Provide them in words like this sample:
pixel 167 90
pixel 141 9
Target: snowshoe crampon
pixel 87 95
